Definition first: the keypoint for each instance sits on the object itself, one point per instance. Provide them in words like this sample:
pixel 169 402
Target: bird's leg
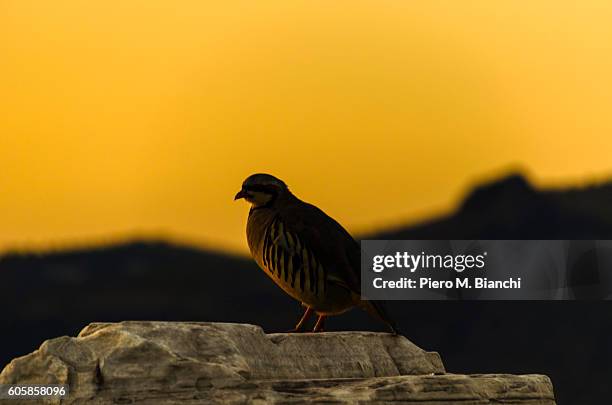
pixel 300 325
pixel 320 323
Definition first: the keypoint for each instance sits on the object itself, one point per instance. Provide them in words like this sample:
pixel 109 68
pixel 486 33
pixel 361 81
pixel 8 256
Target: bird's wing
pixel 332 245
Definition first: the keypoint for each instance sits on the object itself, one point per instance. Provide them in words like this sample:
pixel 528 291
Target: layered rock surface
pixel 168 362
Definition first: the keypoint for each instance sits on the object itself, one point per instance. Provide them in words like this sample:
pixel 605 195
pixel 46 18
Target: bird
pixel 305 252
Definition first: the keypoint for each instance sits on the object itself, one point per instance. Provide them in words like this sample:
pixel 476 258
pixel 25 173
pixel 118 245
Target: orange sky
pixel 143 117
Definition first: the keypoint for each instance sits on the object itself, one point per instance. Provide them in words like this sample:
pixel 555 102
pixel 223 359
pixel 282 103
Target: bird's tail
pixel 377 310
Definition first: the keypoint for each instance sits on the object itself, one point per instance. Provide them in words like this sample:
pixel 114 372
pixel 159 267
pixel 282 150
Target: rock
pixel 189 362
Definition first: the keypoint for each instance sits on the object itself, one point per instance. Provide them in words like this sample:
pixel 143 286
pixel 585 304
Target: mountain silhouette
pixel 512 209
pixel 54 294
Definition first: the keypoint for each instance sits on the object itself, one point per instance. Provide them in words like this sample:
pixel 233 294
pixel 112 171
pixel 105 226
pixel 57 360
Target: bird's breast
pixel 257 223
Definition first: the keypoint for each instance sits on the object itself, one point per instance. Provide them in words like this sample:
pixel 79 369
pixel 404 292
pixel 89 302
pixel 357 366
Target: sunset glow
pixel 123 118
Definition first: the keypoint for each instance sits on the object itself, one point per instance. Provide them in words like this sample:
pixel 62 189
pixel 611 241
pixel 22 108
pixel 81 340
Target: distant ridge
pixel 511 208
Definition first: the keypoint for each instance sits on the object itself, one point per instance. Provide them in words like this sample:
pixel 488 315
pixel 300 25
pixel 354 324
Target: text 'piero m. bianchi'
pixel 431 271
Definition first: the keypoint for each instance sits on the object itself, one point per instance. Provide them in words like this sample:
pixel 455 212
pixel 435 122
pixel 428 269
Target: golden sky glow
pixel 143 117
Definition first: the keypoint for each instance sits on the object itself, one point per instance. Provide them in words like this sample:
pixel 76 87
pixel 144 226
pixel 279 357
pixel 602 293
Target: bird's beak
pixel 240 194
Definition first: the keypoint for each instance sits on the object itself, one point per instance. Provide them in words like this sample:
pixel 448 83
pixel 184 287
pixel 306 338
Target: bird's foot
pixel 296 330
pixel 320 324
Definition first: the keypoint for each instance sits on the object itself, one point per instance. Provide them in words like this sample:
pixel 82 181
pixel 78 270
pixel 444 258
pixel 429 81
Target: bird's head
pixel 262 190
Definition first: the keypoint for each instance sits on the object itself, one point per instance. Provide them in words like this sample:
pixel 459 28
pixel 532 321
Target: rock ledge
pixel 193 362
